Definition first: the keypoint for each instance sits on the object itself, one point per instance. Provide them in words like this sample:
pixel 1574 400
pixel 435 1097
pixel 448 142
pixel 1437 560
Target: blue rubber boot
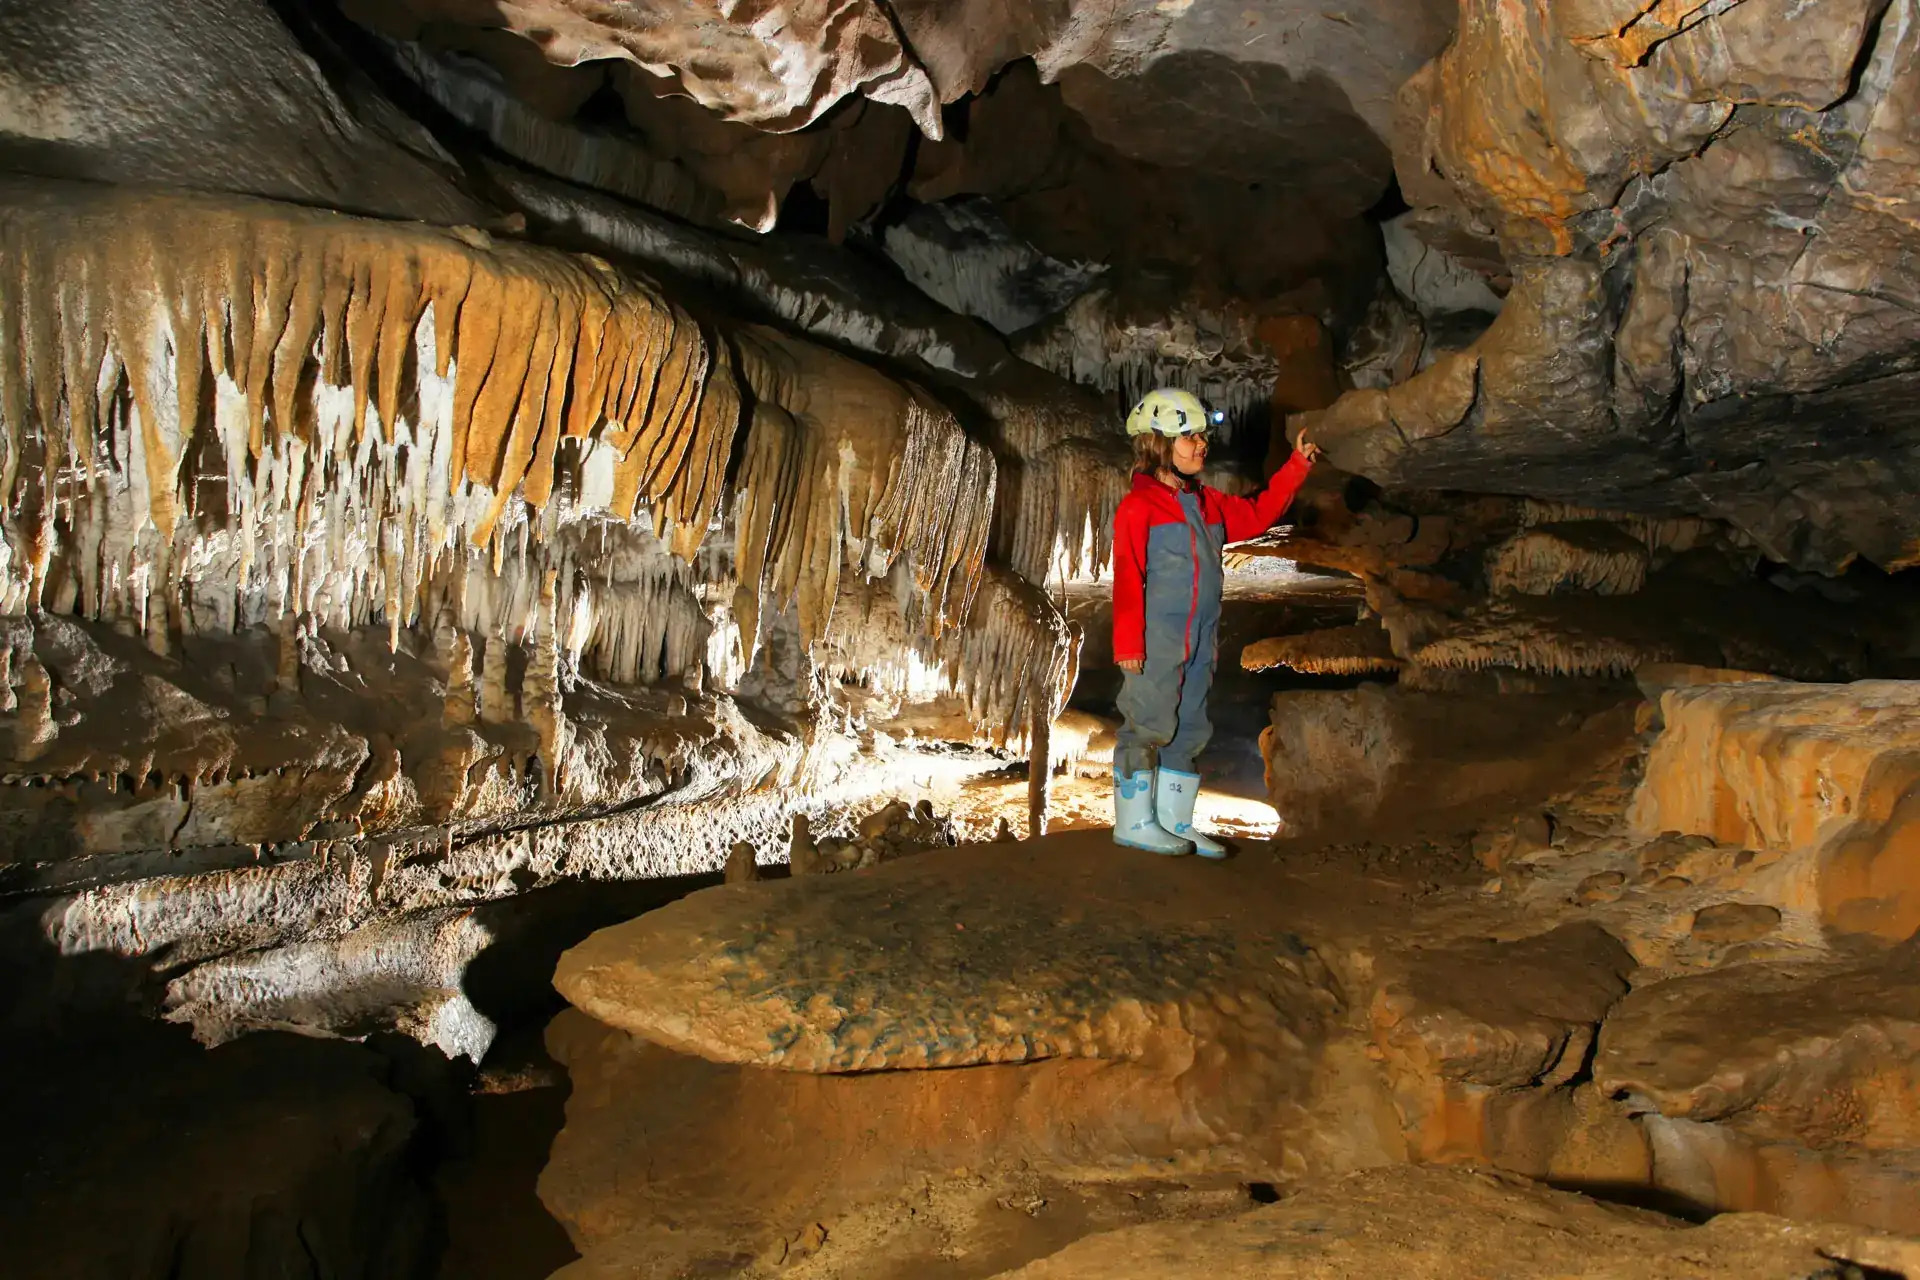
pixel 1174 794
pixel 1133 822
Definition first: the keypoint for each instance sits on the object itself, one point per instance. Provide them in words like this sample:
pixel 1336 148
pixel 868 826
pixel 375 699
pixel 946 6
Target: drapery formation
pixel 218 412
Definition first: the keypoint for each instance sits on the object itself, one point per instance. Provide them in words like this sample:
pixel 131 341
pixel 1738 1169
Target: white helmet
pixel 1171 412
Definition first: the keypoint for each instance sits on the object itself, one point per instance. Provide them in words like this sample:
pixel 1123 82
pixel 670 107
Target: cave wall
pixel 1706 221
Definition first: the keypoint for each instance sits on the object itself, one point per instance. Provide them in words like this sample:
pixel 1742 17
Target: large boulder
pixel 1380 760
pixel 1785 1087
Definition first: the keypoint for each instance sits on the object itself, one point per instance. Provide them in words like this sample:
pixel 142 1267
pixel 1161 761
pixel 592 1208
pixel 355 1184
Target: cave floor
pixel 1311 1010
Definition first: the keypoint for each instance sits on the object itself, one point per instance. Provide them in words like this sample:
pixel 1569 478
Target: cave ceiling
pixel 1694 221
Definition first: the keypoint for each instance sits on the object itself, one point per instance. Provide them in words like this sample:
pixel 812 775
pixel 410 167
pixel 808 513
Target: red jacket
pixel 1184 576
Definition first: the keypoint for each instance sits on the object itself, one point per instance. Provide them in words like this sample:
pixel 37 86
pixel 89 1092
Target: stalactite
pixel 1587 555
pixel 1016 659
pixel 370 395
pixel 1213 352
pixel 1066 465
pixel 222 413
pixel 1663 535
pixel 540 696
pixel 1528 634
pixel 1060 529
pixel 846 469
pixel 496 702
pixel 1362 649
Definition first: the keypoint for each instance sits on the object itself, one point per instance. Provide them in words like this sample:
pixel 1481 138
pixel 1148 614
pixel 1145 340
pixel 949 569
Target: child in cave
pixel 1167 573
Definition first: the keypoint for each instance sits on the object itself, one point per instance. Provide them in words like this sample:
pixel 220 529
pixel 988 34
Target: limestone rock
pixel 742 867
pixel 912 965
pixel 1781 1087
pixel 784 1151
pixel 1392 760
pixel 779 71
pixel 1725 923
pixel 1660 393
pixel 227 97
pixel 1821 772
pixel 1477 1041
pixel 1453 1224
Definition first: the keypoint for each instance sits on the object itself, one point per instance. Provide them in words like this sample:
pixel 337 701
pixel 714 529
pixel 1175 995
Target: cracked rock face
pixel 1706 221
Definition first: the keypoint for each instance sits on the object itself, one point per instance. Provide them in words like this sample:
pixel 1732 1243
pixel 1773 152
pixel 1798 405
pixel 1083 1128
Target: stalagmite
pixel 34 728
pixel 1039 767
pixel 460 689
pixel 803 858
pixel 496 702
pixel 742 867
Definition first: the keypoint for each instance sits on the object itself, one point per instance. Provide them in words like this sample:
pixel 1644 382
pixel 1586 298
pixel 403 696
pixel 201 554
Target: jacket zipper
pixel 1193 601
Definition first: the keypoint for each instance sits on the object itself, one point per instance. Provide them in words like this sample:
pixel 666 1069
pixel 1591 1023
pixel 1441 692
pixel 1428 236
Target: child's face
pixel 1190 453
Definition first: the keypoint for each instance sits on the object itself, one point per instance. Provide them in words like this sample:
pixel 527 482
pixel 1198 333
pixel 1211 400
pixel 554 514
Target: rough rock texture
pixel 783 1152
pixel 1471 1033
pixel 775 65
pixel 1337 651
pixel 1778 1086
pixel 962 254
pixel 783 66
pixel 1704 217
pixel 1167 233
pixel 852 975
pixel 1430 1224
pixel 1377 759
pixel 1351 1016
pixel 221 96
pixel 1125 1014
pixel 1821 773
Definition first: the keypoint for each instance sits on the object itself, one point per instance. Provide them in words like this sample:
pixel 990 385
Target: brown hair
pixel 1152 453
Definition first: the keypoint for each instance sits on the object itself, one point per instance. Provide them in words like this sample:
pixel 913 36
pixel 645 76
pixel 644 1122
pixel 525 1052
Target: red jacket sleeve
pixel 1129 581
pixel 1251 517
